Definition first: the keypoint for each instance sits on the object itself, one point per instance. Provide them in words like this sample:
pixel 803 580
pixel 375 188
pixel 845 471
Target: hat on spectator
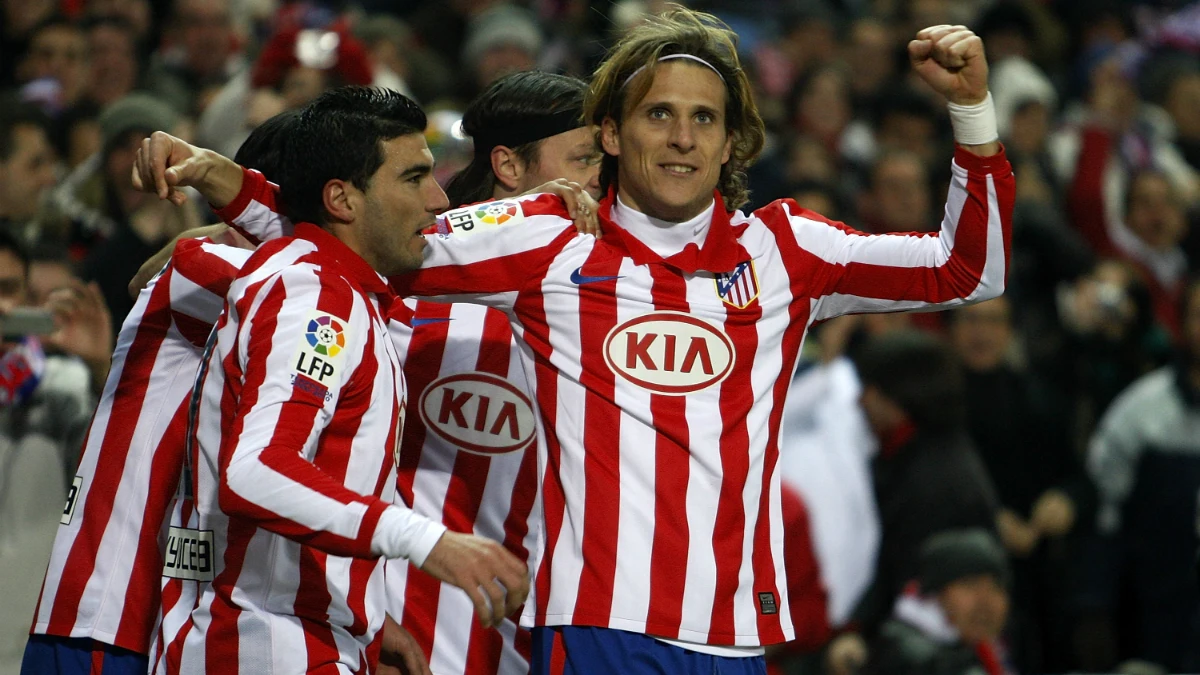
pixel 919 373
pixel 1016 82
pixel 332 48
pixel 501 26
pixel 949 556
pixel 135 112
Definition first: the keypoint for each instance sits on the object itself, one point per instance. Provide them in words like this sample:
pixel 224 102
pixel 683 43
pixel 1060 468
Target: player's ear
pixel 340 200
pixel 610 142
pixel 507 167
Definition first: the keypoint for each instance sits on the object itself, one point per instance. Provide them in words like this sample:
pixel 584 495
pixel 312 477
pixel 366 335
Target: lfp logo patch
pixel 326 335
pixel 497 213
pixel 472 219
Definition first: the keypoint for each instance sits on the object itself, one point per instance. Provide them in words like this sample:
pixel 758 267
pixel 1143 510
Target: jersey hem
pixel 655 630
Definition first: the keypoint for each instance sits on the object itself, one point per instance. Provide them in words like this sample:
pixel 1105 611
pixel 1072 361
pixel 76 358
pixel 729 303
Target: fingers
pixel 497 596
pixel 482 609
pixel 158 150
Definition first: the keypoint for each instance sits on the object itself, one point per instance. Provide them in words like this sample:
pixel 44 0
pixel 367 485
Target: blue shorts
pixel 54 655
pixel 582 650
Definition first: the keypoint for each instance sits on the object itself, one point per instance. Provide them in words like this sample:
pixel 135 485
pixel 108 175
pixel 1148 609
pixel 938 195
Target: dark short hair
pixel 519 99
pixel 339 136
pixel 263 148
pixel 14 114
pixel 919 373
pixel 10 243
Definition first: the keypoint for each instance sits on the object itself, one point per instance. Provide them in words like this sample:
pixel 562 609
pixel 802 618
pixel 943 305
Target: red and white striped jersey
pixel 103 578
pixel 660 384
pixel 301 410
pixel 466 459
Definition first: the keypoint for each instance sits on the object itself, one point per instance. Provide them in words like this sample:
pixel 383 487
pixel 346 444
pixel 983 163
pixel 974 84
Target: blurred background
pixel 1065 416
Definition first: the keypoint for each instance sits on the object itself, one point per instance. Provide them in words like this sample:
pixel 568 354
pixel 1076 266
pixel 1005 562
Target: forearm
pixel 220 181
pixel 282 492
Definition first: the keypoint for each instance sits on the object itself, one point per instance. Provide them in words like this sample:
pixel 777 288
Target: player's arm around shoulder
pixel 491 247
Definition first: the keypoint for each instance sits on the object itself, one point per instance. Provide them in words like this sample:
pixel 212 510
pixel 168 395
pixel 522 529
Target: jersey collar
pixel 350 264
pixel 721 251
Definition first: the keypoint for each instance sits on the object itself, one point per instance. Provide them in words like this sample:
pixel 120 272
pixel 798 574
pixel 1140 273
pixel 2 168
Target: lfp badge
pixel 326 336
pixel 497 213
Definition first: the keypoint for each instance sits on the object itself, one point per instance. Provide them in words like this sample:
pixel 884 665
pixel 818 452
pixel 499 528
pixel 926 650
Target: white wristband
pixel 974 124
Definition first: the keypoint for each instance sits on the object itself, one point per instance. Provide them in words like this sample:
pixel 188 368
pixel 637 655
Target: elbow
pixel 230 488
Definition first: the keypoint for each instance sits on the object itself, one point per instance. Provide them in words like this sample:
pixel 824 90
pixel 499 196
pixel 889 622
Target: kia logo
pixel 669 353
pixel 478 412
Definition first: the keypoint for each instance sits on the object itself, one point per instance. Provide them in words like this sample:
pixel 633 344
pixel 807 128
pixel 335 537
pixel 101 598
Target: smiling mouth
pixel 678 169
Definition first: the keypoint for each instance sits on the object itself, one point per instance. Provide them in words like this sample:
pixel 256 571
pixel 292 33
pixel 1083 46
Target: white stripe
pixel 636 505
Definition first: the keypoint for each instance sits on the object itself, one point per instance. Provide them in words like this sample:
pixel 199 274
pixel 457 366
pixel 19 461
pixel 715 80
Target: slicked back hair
pixel 519 98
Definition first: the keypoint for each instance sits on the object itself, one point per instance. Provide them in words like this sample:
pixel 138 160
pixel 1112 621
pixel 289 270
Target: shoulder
pixel 538 211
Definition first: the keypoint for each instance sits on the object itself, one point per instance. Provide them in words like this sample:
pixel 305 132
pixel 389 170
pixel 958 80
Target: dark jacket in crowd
pixel 924 484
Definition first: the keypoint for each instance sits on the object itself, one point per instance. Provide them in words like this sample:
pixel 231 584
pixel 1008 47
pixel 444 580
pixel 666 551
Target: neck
pixel 630 202
pixel 348 235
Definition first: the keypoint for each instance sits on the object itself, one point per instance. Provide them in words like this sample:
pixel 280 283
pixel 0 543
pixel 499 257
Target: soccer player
pixel 660 356
pixel 100 597
pixel 301 409
pixel 527 129
pixel 467 456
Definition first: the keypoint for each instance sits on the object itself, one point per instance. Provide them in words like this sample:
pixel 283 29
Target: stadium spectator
pixel 1145 462
pixel 114 59
pixel 950 618
pixel 501 40
pixel 98 216
pixel 58 52
pixel 26 169
pixel 200 53
pixel 1022 437
pixel 927 477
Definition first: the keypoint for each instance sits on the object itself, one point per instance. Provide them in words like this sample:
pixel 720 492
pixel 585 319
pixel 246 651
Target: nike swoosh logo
pixel 421 322
pixel 579 279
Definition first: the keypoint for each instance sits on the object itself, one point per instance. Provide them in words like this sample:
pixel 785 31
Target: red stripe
pixel 172 595
pixel 530 307
pixel 312 606
pixel 484 647
pixel 143 594
pixel 97 667
pixel 770 629
pixel 601 442
pixel 192 329
pixel 422 363
pixel 516 524
pixel 558 655
pixel 669 551
pixel 199 265
pixel 128 400
pixel 239 393
pixel 736 399
pixel 959 276
pixel 221 639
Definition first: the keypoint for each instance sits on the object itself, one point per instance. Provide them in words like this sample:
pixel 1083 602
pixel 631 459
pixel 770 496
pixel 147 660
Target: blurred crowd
pixel 1011 487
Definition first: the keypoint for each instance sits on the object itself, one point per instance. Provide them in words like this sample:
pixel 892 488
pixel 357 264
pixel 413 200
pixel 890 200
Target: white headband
pixel 668 57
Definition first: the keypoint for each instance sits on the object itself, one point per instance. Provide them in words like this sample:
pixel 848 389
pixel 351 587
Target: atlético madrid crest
pixel 738 288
